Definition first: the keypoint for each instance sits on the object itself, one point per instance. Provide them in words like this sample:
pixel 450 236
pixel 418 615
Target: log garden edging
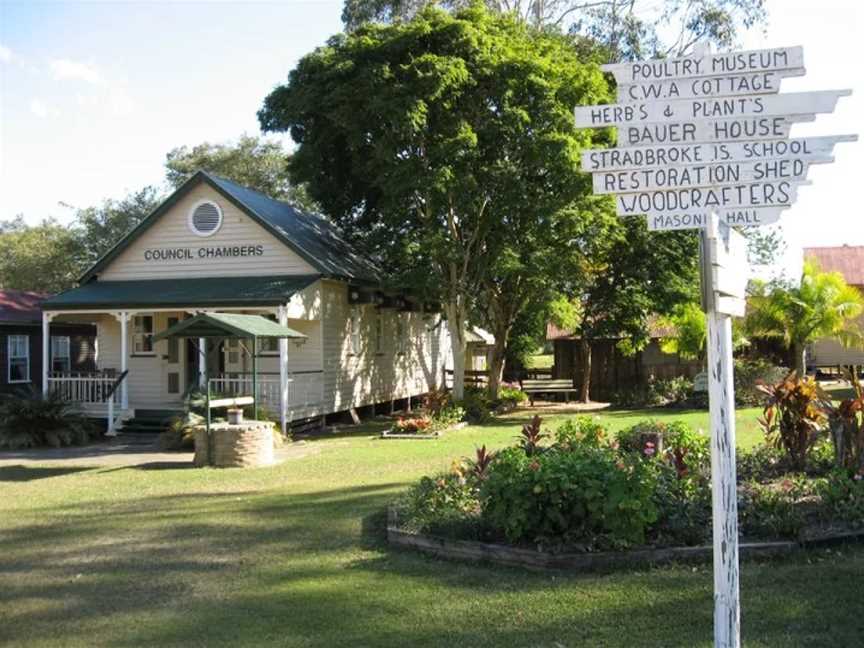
pixel 475 551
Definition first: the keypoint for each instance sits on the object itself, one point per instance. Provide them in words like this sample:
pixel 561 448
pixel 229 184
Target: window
pixel 233 347
pixel 205 218
pixel 354 332
pixel 19 358
pixel 142 334
pixel 61 358
pixel 379 333
pixel 269 344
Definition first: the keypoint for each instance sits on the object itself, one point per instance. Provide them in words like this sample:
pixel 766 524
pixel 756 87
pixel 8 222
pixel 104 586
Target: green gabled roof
pixel 212 292
pixel 231 325
pixel 314 238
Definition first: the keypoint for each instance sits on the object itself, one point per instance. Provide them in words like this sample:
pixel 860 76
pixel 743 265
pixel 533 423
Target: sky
pixel 94 94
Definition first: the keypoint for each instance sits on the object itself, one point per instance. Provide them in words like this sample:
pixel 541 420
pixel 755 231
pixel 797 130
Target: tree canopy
pixel 43 258
pixel 627 29
pixel 251 161
pixel 442 145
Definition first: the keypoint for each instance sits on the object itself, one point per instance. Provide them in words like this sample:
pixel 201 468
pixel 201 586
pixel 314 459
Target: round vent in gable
pixel 205 218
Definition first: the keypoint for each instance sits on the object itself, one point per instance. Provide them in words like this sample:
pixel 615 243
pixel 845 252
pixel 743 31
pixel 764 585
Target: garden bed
pixel 583 498
pixel 537 559
pixel 389 434
pixel 500 554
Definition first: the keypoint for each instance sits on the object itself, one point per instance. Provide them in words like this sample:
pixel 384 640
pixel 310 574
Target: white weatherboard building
pixel 214 246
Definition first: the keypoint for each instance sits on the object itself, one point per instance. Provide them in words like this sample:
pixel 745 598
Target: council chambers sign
pixel 708 133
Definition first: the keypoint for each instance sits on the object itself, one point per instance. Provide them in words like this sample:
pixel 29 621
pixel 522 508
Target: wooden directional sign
pixel 738 217
pixel 700 175
pixel 798 103
pixel 724 85
pixel 757 194
pixel 710 130
pixel 813 149
pixel 707 64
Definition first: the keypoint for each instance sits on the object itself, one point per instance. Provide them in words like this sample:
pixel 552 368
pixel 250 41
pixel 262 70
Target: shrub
pixel 511 396
pixel 435 401
pixel 180 433
pixel 448 416
pixel 591 497
pixel 749 374
pixel 683 504
pixel 846 422
pixel 844 495
pixel 793 417
pixel 673 442
pixel 414 425
pixel 531 436
pixel 31 420
pixel 670 391
pixel 445 504
pixel 477 406
pixel 582 431
pixel 773 510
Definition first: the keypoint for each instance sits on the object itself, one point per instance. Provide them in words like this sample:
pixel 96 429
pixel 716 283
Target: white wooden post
pixel 202 362
pixel 724 493
pixel 110 429
pixel 123 316
pixel 282 315
pixel 46 350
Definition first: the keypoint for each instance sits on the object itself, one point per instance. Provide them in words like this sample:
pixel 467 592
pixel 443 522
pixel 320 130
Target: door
pixel 173 366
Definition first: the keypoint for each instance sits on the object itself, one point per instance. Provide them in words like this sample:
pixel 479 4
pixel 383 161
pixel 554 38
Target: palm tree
pixel 688 336
pixel 822 306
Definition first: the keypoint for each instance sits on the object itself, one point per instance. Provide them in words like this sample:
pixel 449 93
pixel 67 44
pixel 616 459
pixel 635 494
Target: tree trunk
pixel 496 365
pixel 800 360
pixel 585 347
pixel 456 327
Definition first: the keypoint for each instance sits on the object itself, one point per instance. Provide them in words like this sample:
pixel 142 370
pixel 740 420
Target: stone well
pixel 245 445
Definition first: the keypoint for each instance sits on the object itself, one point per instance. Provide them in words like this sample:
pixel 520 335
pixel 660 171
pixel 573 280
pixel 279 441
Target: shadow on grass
pixel 312 568
pixel 21 473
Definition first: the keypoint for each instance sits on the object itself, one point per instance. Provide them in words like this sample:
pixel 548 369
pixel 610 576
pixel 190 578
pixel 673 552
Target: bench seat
pixel 548 386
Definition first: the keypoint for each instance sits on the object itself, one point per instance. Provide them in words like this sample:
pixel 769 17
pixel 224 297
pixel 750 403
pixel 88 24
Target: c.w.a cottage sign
pixel 704 144
pixel 203 252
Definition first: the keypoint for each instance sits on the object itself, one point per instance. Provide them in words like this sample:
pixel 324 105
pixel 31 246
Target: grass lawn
pixel 293 556
pixel 541 361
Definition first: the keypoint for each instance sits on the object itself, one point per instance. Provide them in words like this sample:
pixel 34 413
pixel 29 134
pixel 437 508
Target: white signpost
pixel 704 143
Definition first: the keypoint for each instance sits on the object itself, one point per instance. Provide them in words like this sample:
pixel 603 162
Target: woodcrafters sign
pixel 206 252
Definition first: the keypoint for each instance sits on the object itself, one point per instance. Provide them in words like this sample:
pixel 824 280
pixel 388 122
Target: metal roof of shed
pixel 230 325
pixel 166 293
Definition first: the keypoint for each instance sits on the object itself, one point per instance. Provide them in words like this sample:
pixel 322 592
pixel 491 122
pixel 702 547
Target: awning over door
pixel 208 292
pixel 228 325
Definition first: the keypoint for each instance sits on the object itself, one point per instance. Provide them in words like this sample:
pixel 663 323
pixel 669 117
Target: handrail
pixel 110 393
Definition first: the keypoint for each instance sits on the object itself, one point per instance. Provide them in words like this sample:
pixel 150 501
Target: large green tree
pixel 99 227
pixel 628 29
pixel 42 258
pixel 823 305
pixel 439 144
pixel 623 275
pixel 250 161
